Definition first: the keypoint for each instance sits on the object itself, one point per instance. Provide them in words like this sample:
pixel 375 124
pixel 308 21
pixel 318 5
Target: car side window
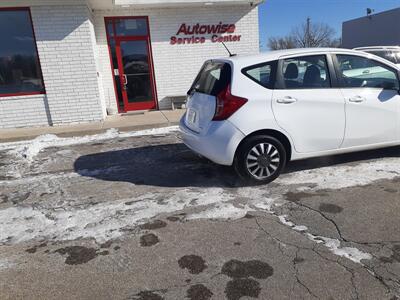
pixel 264 74
pixel 306 72
pixel 361 72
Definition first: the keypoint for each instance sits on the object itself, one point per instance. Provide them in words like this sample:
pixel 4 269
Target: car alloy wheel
pixel 263 160
pixel 260 159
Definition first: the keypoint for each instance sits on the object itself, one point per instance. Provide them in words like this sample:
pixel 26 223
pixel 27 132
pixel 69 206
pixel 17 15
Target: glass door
pixel 135 74
pixel 130 51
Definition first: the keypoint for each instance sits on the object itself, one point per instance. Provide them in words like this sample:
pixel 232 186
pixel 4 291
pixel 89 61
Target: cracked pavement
pixel 142 217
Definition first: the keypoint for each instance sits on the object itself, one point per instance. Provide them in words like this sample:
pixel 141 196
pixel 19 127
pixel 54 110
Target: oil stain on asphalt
pixel 35 248
pixel 77 255
pixel 146 295
pixel 176 218
pixel 330 208
pixel 149 240
pixel 195 264
pixel 199 292
pixel 252 268
pixel 157 224
pixel 238 288
pixel 241 284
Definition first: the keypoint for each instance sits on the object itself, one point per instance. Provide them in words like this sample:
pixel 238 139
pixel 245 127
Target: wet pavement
pixel 142 217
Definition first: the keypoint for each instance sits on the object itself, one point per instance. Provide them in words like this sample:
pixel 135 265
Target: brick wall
pixel 65 46
pixel 177 65
pixel 23 111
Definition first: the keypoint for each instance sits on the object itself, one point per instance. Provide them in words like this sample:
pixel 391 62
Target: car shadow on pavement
pixel 169 165
pixel 174 165
pixel 348 158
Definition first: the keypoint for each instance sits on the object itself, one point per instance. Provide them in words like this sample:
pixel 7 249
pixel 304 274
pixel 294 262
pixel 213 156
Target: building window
pixel 20 72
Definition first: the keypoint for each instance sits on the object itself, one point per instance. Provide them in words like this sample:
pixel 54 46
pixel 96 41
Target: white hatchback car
pixel 258 112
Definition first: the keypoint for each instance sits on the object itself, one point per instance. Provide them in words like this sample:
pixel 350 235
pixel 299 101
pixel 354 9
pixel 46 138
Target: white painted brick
pixel 65 47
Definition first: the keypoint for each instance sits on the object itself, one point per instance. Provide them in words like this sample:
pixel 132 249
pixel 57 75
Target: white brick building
pixel 72 61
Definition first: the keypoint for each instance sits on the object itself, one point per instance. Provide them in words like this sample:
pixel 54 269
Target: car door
pixel 371 92
pixel 307 106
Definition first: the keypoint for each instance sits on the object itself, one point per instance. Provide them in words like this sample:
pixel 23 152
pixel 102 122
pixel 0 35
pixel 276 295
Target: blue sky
pixel 277 17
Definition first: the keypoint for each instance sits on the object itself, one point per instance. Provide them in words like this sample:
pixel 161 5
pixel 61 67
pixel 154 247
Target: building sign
pixel 199 33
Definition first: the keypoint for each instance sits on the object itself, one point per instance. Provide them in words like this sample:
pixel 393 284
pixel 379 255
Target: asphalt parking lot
pixel 132 216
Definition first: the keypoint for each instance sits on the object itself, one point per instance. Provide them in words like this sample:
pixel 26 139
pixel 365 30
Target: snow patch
pixel 255 199
pixel 29 149
pixel 334 246
pixel 338 177
pixel 286 222
pixel 61 176
pixel 102 221
pixel 221 211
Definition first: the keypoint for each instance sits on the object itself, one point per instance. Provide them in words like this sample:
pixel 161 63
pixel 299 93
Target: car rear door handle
pixel 286 100
pixel 357 99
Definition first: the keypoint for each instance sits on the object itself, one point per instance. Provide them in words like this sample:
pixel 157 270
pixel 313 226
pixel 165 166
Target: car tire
pixel 260 159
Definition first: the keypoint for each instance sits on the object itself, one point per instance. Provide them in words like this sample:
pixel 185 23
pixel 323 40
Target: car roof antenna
pixel 230 53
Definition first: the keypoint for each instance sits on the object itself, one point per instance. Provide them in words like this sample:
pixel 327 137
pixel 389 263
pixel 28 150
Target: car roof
pixel 378 48
pixel 248 60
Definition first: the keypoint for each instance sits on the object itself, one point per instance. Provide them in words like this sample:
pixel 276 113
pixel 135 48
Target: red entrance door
pixel 129 43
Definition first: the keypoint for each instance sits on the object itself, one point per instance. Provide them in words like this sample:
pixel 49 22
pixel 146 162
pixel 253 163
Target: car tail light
pixel 227 104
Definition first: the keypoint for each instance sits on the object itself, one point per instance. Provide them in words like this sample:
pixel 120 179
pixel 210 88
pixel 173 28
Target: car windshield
pixel 390 55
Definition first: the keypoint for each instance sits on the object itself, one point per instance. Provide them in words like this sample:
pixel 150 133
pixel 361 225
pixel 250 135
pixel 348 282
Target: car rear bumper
pixel 218 143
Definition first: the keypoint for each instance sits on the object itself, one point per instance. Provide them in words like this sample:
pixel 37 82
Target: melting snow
pixel 291 224
pixel 102 221
pixel 29 149
pixel 221 211
pixel 342 176
pixel 334 246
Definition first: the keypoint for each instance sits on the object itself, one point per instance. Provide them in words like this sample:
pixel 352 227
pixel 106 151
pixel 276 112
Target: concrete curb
pixel 89 132
pixel 122 123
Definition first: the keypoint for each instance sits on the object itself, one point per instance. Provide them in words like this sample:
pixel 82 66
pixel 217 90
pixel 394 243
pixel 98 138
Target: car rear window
pixel 212 78
pixel 264 74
